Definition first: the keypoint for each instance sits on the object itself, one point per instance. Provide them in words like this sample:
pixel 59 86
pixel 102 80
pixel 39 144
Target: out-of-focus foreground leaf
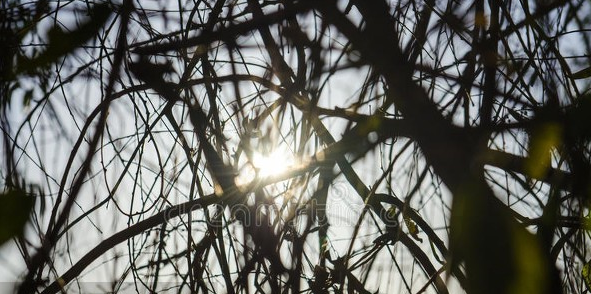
pixel 500 255
pixel 578 119
pixel 15 207
pixel 61 43
pixel 586 273
pixel 544 138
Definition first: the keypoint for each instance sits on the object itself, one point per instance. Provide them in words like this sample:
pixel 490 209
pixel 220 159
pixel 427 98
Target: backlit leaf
pixel 413 230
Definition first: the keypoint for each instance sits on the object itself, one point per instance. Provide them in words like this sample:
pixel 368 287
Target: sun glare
pixel 271 164
pixel 264 165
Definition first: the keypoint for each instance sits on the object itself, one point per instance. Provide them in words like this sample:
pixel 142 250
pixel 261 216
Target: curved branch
pixel 130 232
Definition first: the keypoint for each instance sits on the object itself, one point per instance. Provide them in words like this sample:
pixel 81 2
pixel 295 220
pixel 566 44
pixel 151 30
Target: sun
pixel 263 166
pixel 271 164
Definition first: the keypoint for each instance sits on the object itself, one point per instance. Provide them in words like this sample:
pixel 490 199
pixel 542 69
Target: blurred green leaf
pixel 544 138
pixel 61 42
pixel 498 254
pixel 531 269
pixel 586 273
pixel 15 207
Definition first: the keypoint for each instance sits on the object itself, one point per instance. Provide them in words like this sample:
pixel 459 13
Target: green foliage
pixel 500 256
pixel 544 138
pixel 586 273
pixel 413 230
